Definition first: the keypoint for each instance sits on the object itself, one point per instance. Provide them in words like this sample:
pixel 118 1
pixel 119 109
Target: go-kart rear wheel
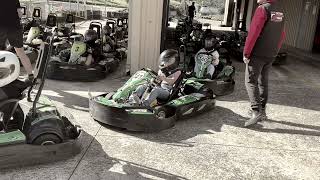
pixel 207 92
pixel 47 139
pixel 163 112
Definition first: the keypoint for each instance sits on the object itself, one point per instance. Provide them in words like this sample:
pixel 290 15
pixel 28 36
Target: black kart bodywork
pixel 44 134
pixel 186 99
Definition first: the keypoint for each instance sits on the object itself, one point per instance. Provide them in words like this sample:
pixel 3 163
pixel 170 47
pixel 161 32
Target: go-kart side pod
pixel 219 87
pixel 18 154
pixel 130 118
pixel 148 120
pixel 74 72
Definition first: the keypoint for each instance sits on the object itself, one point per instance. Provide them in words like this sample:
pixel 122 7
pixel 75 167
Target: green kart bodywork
pixel 44 134
pixel 17 150
pixel 34 32
pixel 115 110
pixel 222 84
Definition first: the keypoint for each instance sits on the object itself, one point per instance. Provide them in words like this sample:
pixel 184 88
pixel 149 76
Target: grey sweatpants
pixel 157 92
pixel 256 81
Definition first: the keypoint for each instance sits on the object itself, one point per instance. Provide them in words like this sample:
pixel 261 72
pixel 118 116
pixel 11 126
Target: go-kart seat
pixel 97 27
pixel 120 22
pixel 51 20
pixel 70 19
pixel 111 24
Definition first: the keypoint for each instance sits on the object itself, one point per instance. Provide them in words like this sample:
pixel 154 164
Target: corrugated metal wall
pixel 292 9
pixel 301 20
pixel 308 24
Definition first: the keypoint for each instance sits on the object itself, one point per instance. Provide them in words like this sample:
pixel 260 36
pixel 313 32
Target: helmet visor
pixel 166 62
pixel 5 72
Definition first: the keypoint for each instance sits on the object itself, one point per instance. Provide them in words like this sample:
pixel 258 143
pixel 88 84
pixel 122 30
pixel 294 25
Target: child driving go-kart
pixel 88 52
pixel 207 60
pixel 167 76
pixel 109 43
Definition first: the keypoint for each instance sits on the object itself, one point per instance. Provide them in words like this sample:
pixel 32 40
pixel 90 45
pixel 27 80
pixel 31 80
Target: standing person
pixel 192 11
pixel 11 30
pixel 263 43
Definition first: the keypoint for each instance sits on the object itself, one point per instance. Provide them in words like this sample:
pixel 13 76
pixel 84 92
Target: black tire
pixel 163 112
pixel 206 92
pixel 47 139
pixel 76 73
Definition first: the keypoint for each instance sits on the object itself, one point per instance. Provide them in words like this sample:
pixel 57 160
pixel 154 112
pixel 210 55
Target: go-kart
pixel 222 82
pixel 65 66
pixel 44 134
pixel 65 35
pixel 27 23
pixel 34 33
pixel 111 47
pixel 121 32
pixel 37 35
pixel 123 24
pixel 187 98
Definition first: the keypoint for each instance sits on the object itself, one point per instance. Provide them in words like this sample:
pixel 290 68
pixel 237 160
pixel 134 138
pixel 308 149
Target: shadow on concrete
pixel 309 129
pixel 218 117
pixel 71 100
pixel 291 85
pixel 92 163
pixel 97 164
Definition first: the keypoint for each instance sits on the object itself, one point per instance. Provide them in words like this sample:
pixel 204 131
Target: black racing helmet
pixel 210 43
pixel 169 60
pixel 107 30
pixel 90 36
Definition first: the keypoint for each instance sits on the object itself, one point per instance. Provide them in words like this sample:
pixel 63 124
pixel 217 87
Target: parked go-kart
pixel 45 134
pixel 26 22
pixel 34 32
pixel 65 35
pixel 70 66
pixel 116 108
pixel 37 35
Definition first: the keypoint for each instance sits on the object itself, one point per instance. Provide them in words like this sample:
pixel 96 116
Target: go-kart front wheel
pixel 47 139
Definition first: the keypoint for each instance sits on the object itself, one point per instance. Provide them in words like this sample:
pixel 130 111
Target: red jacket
pixel 257 24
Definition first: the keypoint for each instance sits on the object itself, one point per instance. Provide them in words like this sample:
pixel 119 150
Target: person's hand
pixel 246 60
pixel 30 77
pixel 162 77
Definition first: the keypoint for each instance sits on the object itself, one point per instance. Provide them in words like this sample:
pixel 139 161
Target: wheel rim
pixel 162 115
pixel 46 143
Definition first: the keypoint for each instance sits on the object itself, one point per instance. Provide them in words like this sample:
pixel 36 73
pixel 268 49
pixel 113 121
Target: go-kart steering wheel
pixel 150 71
pixel 155 82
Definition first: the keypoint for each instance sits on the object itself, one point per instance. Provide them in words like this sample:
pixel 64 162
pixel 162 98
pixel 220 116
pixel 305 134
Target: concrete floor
pixel 213 145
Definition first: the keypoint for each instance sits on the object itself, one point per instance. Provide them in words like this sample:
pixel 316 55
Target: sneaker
pixel 263 112
pixel 135 99
pixel 256 117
